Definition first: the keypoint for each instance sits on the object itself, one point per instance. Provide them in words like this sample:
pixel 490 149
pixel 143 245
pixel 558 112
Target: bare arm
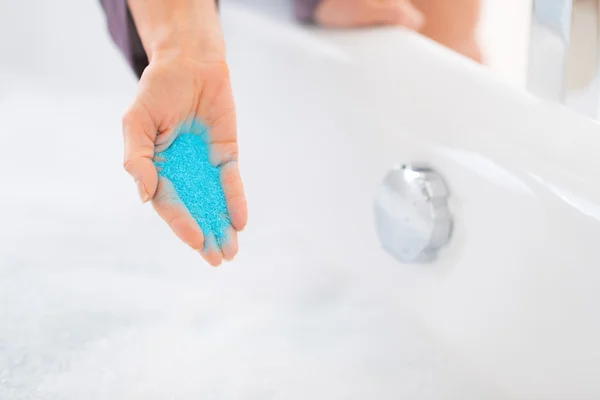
pixel 185 84
pixel 179 26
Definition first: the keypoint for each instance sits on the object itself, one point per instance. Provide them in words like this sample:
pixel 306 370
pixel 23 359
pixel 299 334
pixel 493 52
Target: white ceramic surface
pixel 99 301
pixel 504 34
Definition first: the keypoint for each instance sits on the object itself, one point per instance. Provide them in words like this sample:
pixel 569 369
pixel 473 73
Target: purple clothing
pixel 305 9
pixel 116 19
pixel 124 33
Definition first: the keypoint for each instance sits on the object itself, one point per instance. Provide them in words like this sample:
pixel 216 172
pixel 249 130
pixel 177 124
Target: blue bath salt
pixel 186 165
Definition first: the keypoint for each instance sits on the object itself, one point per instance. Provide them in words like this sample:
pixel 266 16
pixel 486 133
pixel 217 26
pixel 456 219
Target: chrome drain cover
pixel 412 217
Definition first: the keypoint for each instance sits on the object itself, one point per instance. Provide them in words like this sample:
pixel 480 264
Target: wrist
pixel 199 45
pixel 179 28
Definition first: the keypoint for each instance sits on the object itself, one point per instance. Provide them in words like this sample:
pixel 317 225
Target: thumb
pixel 139 133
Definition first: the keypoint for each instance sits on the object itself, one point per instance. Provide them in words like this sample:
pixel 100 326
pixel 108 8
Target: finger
pixel 138 134
pixel 165 139
pixel 233 189
pixel 169 206
pixel 217 110
pixel 229 246
pixel 224 152
pixel 399 12
pixel 211 251
pixel 189 125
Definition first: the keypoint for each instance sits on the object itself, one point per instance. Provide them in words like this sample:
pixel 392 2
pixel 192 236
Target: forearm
pixel 450 22
pixel 172 27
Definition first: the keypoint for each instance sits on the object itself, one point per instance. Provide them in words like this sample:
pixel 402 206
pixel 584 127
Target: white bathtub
pixel 98 300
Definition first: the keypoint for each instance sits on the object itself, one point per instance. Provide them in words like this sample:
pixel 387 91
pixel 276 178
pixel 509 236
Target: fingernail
pixel 144 196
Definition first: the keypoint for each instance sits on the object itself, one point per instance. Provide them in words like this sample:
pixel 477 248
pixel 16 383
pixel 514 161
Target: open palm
pixel 172 92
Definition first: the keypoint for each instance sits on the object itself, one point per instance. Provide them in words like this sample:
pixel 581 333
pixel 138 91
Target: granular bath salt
pixel 197 182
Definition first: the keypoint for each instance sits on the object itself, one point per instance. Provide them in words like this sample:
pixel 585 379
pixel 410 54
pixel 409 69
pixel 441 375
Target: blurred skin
pixel 452 23
pixel 187 78
pixel 358 13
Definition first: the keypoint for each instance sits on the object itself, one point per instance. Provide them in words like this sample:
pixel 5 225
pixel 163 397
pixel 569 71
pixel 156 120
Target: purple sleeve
pixel 305 9
pixel 116 18
pixel 124 33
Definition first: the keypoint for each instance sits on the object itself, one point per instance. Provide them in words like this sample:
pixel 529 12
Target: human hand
pixel 186 82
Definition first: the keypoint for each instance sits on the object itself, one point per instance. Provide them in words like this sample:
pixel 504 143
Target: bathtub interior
pixel 516 289
pixel 312 307
pixel 99 300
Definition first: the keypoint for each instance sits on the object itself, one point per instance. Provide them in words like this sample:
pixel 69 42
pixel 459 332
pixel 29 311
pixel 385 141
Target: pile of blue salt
pixel 197 182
